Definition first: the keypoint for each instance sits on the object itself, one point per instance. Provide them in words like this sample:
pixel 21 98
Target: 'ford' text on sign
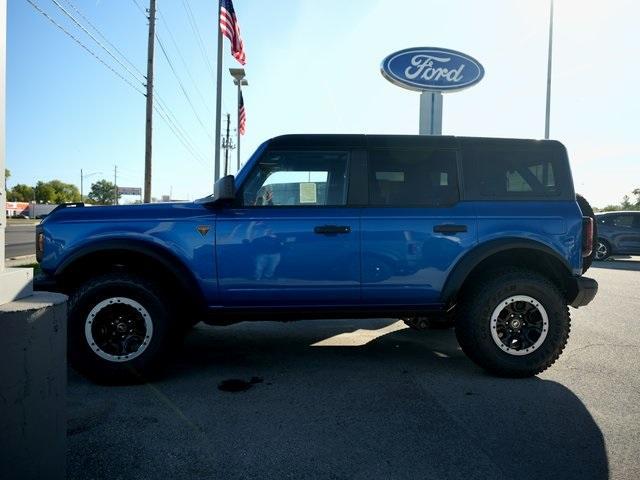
pixel 433 69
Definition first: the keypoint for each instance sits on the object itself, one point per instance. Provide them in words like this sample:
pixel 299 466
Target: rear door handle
pixel 331 229
pixel 450 229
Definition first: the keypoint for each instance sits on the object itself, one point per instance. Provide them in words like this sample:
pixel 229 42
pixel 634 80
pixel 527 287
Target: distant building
pixel 33 210
pixel 16 208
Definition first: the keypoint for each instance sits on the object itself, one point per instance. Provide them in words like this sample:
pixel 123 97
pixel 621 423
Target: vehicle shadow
pixel 340 399
pixel 619 263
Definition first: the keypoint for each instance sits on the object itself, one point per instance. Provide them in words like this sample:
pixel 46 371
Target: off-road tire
pixel 149 364
pixel 587 211
pixel 473 322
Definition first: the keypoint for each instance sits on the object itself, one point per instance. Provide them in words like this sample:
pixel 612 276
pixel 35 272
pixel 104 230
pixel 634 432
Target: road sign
pixel 129 191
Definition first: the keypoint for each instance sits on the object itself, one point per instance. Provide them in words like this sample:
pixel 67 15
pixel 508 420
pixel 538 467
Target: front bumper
pixel 45 283
pixel 584 289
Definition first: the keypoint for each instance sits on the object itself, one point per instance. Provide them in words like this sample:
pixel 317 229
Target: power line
pixel 184 63
pixel 75 39
pixel 184 91
pixel 139 8
pixel 196 33
pixel 100 44
pixel 97 30
pixel 172 117
pixel 167 111
pixel 184 144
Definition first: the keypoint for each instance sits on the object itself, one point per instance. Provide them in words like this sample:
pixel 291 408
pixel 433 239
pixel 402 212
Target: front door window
pixel 298 179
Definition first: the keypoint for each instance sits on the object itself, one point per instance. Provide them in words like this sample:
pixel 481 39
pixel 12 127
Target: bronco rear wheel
pixel 119 329
pixel 516 324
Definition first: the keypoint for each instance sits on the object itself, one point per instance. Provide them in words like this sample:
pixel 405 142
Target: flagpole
pixel 216 168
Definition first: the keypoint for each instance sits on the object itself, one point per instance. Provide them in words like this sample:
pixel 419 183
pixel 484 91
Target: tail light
pixel 587 236
pixel 39 243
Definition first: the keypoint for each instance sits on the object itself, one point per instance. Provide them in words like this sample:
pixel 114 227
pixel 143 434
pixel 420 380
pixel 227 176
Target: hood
pixel 147 211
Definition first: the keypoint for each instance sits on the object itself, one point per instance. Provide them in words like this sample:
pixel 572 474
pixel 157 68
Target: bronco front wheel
pixel 119 329
pixel 516 324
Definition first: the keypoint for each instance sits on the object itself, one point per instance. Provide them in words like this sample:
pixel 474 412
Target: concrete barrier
pixel 33 378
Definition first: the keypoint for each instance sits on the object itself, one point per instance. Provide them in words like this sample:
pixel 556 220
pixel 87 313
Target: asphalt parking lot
pixel 363 399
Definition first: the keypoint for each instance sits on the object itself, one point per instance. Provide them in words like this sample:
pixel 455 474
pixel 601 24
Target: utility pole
pixel 115 185
pixel 548 109
pixel 148 134
pixel 227 144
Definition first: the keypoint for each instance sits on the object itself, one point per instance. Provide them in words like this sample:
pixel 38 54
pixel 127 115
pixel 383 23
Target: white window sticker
pixel 308 193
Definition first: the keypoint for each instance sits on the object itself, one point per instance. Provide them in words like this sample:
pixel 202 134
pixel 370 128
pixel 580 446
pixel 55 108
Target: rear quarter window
pixel 518 173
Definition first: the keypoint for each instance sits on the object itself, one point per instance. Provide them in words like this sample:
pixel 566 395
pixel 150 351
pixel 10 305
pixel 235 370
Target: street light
pixel 549 58
pixel 82 177
pixel 238 75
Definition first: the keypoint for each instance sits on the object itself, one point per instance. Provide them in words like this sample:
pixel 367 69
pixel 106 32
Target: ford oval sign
pixel 434 69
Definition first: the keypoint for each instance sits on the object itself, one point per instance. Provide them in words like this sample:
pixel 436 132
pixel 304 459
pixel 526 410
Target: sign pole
pixel 430 113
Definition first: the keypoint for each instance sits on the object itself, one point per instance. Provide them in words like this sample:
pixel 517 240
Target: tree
pixel 56 191
pixel 102 192
pixel 20 193
pixel 636 192
pixel 626 204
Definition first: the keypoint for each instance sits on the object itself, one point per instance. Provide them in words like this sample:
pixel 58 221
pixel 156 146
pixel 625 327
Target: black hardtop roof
pixel 399 141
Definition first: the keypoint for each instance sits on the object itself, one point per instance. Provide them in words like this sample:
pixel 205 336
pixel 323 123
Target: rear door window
pixel 514 174
pixel 413 178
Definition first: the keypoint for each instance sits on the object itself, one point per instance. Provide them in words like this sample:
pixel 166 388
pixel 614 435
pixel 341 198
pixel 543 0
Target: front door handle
pixel 331 229
pixel 450 229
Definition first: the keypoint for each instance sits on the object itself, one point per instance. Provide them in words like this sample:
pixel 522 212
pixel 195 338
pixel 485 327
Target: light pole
pixel 548 110
pixel 239 80
pixel 82 177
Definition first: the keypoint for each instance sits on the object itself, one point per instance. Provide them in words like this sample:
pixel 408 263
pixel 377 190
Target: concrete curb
pixel 20 261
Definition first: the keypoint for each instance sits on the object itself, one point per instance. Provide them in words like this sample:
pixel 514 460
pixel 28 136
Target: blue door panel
pixel 404 262
pixel 272 256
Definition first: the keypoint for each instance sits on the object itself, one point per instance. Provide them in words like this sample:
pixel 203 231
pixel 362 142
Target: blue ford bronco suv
pixel 485 233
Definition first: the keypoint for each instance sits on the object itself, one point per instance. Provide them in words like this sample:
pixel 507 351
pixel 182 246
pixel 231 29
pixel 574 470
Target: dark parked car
pixel 618 234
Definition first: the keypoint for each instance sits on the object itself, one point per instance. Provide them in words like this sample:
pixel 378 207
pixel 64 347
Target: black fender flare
pixel 471 259
pixel 156 253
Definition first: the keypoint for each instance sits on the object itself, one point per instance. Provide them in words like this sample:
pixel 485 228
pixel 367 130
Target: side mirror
pixel 224 189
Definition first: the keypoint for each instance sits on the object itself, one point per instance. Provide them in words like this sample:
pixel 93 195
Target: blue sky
pixel 313 66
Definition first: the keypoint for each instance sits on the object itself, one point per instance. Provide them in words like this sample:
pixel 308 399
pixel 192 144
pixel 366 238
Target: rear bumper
pixel 584 290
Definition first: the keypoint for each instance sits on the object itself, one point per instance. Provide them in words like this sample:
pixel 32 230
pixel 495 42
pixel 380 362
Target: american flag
pixel 242 115
pixel 231 29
